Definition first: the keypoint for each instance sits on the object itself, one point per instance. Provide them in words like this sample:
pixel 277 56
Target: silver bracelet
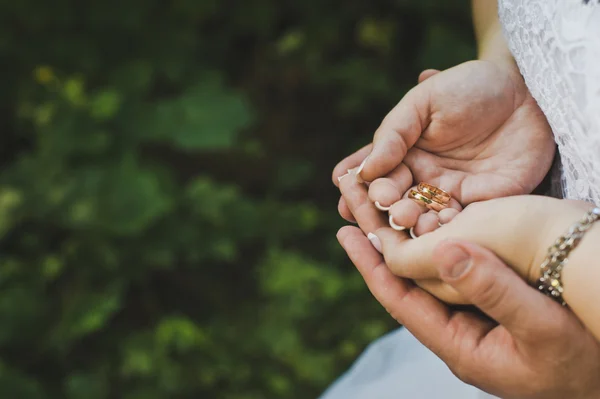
pixel 550 282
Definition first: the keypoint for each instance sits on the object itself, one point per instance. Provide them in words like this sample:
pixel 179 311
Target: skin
pixel 529 347
pixel 463 130
pixel 518 229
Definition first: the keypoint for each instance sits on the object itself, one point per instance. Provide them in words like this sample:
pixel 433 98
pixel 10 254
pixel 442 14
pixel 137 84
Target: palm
pixel 486 137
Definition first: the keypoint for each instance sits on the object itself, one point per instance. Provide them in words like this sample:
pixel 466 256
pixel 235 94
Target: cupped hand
pixel 371 220
pixel 532 348
pixel 519 229
pixel 473 130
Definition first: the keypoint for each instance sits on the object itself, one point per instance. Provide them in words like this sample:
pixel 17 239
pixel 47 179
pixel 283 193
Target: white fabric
pixel 397 366
pixel 556 44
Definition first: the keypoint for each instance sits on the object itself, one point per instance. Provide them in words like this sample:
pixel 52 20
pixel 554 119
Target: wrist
pixel 560 215
pixel 492 45
pixel 501 58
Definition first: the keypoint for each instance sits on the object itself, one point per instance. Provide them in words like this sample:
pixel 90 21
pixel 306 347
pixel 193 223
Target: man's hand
pixel 473 130
pixel 538 350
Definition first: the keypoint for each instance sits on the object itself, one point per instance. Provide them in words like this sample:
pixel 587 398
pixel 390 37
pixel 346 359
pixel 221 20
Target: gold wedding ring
pixel 435 193
pixel 432 197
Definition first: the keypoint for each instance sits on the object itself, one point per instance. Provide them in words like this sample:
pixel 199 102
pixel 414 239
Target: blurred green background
pixel 167 217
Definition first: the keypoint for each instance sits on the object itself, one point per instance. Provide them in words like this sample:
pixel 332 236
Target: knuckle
pixel 362 211
pixel 491 294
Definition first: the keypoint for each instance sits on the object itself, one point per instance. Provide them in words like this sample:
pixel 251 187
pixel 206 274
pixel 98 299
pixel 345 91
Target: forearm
pixel 488 32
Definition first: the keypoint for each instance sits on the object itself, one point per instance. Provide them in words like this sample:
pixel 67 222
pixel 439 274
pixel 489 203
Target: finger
pixel 425 167
pixel 405 213
pixel 408 258
pixel 450 335
pixel 388 190
pixel 426 317
pixel 426 74
pixel 355 195
pixel 413 258
pixel 427 223
pixel 350 162
pixel 442 291
pixel 486 282
pixel 398 132
pixel 345 211
pixel 446 215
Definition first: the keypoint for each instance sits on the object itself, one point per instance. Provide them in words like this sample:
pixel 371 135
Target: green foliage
pixel 167 220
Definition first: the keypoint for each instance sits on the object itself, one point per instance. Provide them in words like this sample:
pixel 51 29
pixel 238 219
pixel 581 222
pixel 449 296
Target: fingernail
pixel 412 233
pixel 341 177
pixel 395 226
pixel 457 263
pixel 381 207
pixel 354 172
pixel 362 165
pixel 375 241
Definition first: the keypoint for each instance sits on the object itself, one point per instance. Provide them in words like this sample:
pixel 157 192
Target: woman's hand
pixel 473 130
pixel 518 229
pixel 538 350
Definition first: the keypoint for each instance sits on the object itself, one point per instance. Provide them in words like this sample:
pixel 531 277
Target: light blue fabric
pixel 397 366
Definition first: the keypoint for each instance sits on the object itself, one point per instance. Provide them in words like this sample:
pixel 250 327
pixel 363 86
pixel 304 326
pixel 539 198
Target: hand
pixel 473 130
pixel 519 230
pixel 538 350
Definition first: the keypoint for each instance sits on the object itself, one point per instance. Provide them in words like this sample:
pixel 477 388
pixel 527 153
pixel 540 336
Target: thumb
pixel 426 74
pixel 486 282
pixel 398 132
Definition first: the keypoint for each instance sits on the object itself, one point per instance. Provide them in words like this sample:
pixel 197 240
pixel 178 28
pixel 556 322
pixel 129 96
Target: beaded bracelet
pixel 550 282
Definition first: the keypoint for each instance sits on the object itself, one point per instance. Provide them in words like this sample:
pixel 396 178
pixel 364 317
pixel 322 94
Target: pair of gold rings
pixel 431 197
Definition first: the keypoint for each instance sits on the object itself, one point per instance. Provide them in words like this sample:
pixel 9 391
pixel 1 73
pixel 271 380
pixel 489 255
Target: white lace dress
pixel 557 46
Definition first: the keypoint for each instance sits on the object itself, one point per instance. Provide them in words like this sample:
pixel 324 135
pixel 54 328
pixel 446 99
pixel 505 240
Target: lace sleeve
pixel 556 44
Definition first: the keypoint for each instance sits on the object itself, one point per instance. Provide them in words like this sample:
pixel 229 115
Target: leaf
pixel 44 74
pixel 92 312
pixel 207 116
pixel 123 198
pixel 73 90
pixel 290 42
pixel 179 333
pixel 377 34
pixel 105 104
